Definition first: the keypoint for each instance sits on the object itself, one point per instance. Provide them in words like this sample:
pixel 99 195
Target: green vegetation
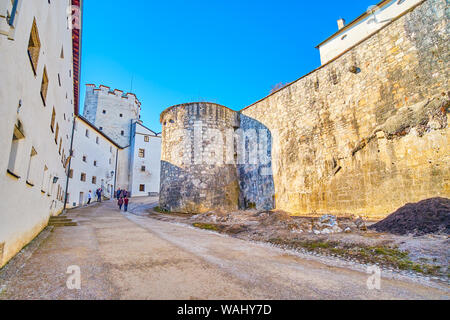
pixel 382 255
pixel 206 226
pixel 160 210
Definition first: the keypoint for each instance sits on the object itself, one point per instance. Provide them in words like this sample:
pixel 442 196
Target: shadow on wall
pixel 257 188
pixel 245 184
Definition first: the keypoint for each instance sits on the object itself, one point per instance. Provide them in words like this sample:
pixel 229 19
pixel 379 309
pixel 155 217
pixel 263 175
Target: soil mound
pixel 425 217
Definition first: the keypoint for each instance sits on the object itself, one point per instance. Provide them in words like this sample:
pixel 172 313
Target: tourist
pixel 125 202
pixel 120 203
pixel 118 193
pixel 99 195
pixel 89 197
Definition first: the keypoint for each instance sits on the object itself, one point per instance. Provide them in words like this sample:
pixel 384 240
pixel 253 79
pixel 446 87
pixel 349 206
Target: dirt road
pixel 131 256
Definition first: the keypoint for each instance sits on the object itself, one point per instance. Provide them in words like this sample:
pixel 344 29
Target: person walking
pixel 120 203
pixel 89 197
pixel 118 193
pixel 125 202
pixel 99 195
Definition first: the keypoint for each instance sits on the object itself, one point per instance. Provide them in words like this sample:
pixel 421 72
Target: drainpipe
pixel 69 166
pixel 115 175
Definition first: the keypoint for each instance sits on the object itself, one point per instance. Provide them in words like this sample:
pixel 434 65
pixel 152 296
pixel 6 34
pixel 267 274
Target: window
pixel 141 153
pixel 52 123
pixel 31 164
pixel 97 140
pixel 104 111
pixel 143 168
pixel 87 133
pixel 44 85
pixel 121 115
pixel 95 163
pixel 146 138
pixel 84 159
pixel 94 180
pixel 122 132
pixel 56 133
pixel 34 46
pixel 17 136
pixel 83 177
pixel 71 174
pixel 142 188
pixel 101 128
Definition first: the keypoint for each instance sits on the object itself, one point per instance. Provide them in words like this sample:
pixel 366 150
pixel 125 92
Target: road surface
pixel 131 256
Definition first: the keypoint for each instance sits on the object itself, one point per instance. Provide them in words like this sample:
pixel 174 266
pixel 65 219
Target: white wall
pixel 103 153
pixel 150 178
pixel 363 29
pixel 26 208
pixel 114 103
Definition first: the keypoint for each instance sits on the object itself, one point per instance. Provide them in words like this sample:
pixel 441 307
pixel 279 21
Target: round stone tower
pixel 198 165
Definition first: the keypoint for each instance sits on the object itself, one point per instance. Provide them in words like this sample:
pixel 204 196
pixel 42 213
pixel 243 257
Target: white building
pixel 93 165
pixel 112 111
pixel 375 18
pixel 145 162
pixel 118 116
pixel 39 68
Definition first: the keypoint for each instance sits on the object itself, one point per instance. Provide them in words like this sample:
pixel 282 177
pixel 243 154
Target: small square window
pixel 104 111
pixel 95 163
pixel 84 158
pixel 121 115
pixel 141 153
pixel 97 141
pixel 87 133
pixel 122 132
pixel 83 177
pixel 146 138
pixel 142 188
pixel 94 180
pixel 143 168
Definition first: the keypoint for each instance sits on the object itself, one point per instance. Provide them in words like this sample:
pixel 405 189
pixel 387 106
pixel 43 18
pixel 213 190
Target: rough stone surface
pixel 425 217
pixel 366 143
pixel 197 178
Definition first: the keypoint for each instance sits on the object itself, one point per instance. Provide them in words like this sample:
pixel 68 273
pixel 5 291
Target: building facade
pixel 112 111
pixel 145 161
pixel 93 165
pixel 39 55
pixel 117 116
pixel 375 18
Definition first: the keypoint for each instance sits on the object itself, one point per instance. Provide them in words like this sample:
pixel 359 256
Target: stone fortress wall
pixel 197 178
pixel 363 134
pixel 368 132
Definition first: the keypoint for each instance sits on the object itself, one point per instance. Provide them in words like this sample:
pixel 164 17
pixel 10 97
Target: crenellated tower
pixel 112 111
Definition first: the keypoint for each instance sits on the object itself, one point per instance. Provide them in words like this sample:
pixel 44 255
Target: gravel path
pixel 129 256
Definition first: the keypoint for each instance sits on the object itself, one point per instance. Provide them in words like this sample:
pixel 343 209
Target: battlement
pixel 102 89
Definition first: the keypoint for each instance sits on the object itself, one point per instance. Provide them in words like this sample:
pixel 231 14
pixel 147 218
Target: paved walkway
pixel 131 256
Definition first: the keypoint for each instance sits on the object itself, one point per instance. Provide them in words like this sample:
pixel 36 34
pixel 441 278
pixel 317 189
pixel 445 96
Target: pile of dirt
pixel 425 217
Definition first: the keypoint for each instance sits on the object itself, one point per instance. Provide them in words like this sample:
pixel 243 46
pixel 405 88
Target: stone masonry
pixel 367 132
pixel 363 134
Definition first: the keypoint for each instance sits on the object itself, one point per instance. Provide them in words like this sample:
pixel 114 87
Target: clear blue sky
pixel 226 51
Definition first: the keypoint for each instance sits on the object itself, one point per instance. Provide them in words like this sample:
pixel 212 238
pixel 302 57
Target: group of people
pixel 98 193
pixel 122 199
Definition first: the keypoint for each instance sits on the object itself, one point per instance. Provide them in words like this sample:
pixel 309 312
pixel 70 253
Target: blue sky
pixel 229 52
